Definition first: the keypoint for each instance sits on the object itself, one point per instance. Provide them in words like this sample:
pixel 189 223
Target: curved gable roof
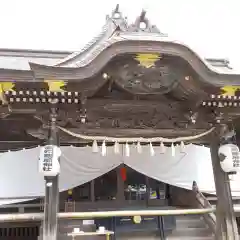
pixel 115 29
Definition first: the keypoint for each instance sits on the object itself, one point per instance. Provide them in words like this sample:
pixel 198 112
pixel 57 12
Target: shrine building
pixel 135 136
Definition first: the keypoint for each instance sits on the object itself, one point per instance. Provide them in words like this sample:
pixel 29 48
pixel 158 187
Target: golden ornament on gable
pixel 230 90
pixel 55 85
pixel 5 86
pixel 147 60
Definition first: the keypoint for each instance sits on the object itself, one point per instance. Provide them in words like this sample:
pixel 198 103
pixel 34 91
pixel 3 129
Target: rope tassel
pixel 104 149
pixel 95 146
pixel 152 152
pixel 162 148
pixel 127 150
pixel 173 150
pixel 139 147
pixel 116 148
pixel 182 147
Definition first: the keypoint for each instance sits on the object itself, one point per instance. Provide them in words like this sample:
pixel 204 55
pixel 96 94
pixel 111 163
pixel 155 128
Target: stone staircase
pixel 190 227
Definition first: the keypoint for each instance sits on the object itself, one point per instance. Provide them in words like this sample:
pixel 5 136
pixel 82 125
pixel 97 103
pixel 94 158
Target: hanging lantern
pixel 229 156
pixel 116 148
pixel 123 173
pixel 162 148
pixel 152 152
pixel 182 147
pixel 95 146
pixel 49 164
pixel 127 150
pixel 139 147
pixel 104 149
pixel 173 150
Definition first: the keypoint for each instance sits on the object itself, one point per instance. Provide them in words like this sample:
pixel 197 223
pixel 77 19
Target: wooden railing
pixel 203 203
pixel 100 214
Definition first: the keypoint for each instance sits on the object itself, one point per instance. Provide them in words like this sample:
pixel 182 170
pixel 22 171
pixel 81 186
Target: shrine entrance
pixel 132 86
pixel 122 188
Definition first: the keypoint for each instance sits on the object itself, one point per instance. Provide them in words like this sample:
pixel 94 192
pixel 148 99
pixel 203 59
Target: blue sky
pixel 210 27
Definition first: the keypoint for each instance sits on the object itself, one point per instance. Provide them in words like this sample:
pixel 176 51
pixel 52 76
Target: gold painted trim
pixel 5 86
pixel 229 90
pixel 55 86
pixel 147 60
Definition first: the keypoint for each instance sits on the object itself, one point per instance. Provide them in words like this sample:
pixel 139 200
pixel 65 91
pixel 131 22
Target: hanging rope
pixel 132 139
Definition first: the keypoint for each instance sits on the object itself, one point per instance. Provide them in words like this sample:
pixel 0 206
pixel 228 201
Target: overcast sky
pixel 210 27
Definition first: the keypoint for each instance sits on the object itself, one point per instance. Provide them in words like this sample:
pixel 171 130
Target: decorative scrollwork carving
pixel 159 79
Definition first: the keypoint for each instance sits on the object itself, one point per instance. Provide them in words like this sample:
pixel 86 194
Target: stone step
pixel 190 223
pixel 191 232
pixel 190 238
pixel 190 227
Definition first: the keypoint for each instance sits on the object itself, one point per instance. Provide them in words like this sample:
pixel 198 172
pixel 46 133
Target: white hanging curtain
pixel 19 173
pixel 20 177
pixel 179 170
pixel 192 164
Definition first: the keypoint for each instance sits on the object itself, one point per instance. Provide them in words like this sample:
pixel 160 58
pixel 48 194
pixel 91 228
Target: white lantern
pixel 49 164
pixel 229 158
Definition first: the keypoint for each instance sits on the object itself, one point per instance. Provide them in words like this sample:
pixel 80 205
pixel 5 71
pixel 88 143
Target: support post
pixel 92 190
pixel 226 221
pixel 51 203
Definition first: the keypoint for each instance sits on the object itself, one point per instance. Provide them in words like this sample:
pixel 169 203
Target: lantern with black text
pixel 49 164
pixel 229 158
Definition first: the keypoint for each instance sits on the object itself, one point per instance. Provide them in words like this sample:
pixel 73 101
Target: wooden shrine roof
pixel 19 59
pixel 131 80
pixel 116 31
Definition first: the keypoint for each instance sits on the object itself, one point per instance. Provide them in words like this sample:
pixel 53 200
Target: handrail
pixel 24 205
pixel 100 214
pixel 203 203
pixel 213 198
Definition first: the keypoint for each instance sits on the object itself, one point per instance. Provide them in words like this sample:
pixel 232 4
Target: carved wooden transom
pixel 159 78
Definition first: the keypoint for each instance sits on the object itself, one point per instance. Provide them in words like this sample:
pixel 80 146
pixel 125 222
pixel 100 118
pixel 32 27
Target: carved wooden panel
pixel 136 77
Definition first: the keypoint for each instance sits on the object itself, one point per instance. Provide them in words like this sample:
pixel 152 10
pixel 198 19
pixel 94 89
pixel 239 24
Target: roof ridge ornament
pixel 118 19
pixel 142 24
pixel 116 13
pixel 113 23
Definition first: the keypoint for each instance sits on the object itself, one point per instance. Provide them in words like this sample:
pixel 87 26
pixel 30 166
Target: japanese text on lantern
pixel 47 160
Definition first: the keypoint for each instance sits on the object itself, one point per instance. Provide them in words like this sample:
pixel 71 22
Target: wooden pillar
pixel 51 204
pixel 92 191
pixel 148 190
pixel 225 216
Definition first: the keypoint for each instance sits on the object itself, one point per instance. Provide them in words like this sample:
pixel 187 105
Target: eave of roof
pixel 34 53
